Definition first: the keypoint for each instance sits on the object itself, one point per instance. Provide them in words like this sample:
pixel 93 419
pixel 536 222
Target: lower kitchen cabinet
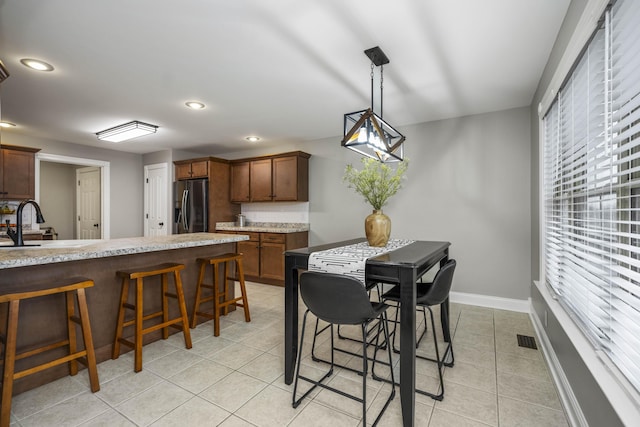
pixel 263 254
pixel 272 247
pixel 250 250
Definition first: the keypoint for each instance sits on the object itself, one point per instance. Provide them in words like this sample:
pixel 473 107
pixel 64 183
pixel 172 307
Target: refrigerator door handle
pixel 185 214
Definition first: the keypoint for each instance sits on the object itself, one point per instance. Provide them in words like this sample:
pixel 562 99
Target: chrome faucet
pixel 16 235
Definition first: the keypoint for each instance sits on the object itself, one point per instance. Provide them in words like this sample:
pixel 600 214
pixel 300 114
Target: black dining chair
pixel 428 295
pixel 343 300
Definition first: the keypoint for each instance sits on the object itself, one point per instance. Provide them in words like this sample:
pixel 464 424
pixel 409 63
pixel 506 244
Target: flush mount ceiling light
pixel 36 64
pixel 126 131
pixel 253 138
pixel 366 132
pixel 194 105
pixel 7 125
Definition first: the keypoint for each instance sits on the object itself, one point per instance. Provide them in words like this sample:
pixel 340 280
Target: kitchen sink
pixel 49 244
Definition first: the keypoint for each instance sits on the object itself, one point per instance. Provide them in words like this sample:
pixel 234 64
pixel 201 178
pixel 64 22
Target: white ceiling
pixel 286 70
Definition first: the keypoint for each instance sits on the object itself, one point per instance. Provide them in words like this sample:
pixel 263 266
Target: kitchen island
pixel 43 319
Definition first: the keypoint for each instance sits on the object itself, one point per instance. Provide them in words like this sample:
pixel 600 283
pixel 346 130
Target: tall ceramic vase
pixel 377 228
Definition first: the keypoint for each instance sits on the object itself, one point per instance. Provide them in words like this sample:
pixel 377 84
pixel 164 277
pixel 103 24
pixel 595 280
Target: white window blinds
pixel 591 189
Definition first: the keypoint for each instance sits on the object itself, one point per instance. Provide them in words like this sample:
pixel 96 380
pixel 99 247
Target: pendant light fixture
pixel 366 132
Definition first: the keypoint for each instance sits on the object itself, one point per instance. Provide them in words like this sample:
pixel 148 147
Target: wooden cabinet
pixel 250 250
pixel 260 183
pixel 240 182
pixel 263 254
pixel 290 178
pixel 272 247
pixel 283 177
pixel 218 171
pixel 32 236
pixel 191 169
pixel 17 173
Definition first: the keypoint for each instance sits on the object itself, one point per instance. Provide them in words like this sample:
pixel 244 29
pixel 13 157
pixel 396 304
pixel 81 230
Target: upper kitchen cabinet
pixel 240 182
pixel 191 169
pixel 17 179
pixel 218 172
pixel 261 181
pixel 278 178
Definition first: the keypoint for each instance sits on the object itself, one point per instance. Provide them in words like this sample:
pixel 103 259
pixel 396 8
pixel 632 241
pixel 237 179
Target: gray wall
pixel 594 404
pixel 126 179
pixel 467 183
pixel 58 197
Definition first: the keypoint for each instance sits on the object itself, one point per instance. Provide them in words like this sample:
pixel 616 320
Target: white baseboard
pixel 521 305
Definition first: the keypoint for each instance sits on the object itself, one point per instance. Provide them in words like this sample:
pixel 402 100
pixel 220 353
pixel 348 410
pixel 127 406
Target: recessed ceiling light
pixel 36 64
pixel 253 138
pixel 194 105
pixel 7 124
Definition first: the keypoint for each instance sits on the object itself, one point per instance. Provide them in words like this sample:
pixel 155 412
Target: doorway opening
pixel 104 169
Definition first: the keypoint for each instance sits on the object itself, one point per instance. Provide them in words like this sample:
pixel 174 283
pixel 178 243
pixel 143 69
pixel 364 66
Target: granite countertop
pixel 52 251
pixel 264 227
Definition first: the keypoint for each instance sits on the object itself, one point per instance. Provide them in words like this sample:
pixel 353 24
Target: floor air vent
pixel 527 342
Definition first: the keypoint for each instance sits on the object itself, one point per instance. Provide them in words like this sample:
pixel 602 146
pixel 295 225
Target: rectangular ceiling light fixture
pixel 126 131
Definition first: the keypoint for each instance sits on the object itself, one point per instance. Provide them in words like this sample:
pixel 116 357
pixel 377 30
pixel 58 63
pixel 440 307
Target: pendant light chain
pixel 381 89
pixel 372 85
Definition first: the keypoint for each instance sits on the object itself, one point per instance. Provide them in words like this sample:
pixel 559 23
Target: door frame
pixel 105 187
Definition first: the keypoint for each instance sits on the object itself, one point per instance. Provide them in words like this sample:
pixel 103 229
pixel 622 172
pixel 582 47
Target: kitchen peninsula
pixel 98 260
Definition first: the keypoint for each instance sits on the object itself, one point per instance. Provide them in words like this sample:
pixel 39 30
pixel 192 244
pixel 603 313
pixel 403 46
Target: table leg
pixel 290 318
pixel 408 344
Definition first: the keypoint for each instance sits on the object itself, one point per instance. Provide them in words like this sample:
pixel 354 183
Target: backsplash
pixel 297 212
pixel 28 215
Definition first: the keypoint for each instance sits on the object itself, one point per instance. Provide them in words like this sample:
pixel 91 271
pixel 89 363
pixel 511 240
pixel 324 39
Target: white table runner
pixel 350 260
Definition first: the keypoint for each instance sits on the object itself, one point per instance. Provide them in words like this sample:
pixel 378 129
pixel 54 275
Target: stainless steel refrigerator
pixel 191 204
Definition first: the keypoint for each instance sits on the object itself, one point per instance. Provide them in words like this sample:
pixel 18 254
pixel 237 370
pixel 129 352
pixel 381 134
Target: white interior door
pixel 88 203
pixel 156 192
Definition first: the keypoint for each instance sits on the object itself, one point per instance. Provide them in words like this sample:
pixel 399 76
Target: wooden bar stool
pixel 72 287
pixel 138 274
pixel 221 299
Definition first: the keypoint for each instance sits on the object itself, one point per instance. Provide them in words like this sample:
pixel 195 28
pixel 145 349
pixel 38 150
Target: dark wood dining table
pixel 402 267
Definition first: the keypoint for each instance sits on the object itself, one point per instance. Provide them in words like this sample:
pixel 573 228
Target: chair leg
pixel 9 362
pixel 165 305
pixel 216 301
pixel 439 362
pixel 243 291
pixel 196 304
pixel 71 331
pixel 295 402
pixel 365 370
pixel 87 337
pixel 225 284
pixel 124 294
pixel 183 309
pixel 138 326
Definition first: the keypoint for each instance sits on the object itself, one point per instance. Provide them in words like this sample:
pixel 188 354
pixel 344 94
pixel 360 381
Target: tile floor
pixel 237 380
